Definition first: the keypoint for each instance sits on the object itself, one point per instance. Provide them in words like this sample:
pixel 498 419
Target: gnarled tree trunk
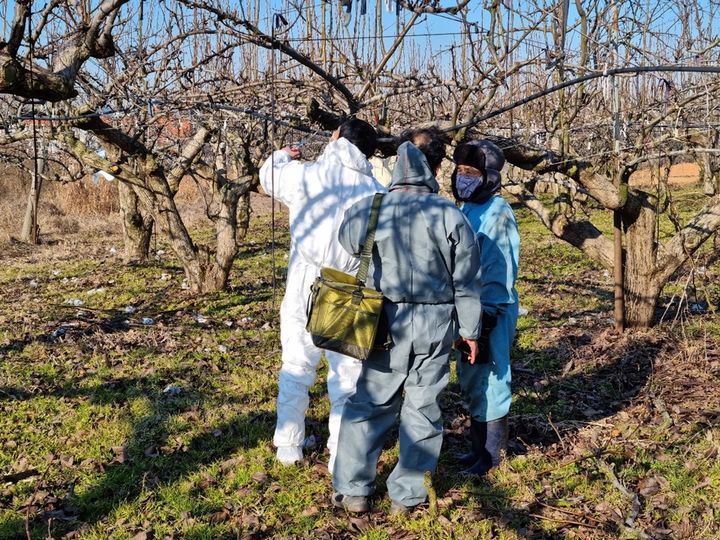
pixel 137 225
pixel 642 286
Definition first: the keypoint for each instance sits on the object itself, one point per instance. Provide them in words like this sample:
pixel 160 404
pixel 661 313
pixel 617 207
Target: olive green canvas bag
pixel 343 314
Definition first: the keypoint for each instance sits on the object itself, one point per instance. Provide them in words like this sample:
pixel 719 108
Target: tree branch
pixel 58 83
pixel 22 12
pixel 680 248
pixel 193 147
pixel 542 161
pixel 263 40
pixel 388 55
pixel 581 234
pixel 426 6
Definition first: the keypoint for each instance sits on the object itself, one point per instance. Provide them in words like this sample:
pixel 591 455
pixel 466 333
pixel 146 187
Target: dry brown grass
pixel 65 209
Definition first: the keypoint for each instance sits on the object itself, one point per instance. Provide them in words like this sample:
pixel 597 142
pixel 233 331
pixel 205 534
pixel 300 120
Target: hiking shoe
pixel 399 509
pixel 351 503
pixel 289 455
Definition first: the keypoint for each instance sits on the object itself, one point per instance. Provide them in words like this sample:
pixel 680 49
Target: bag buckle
pixel 357 296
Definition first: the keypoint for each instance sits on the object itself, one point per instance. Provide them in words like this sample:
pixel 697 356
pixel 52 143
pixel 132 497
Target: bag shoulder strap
pixel 369 238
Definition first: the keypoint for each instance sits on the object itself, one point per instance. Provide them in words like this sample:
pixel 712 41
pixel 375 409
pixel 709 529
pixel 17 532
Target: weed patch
pixel 111 427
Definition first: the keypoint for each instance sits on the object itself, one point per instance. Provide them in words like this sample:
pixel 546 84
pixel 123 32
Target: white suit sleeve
pixel 286 182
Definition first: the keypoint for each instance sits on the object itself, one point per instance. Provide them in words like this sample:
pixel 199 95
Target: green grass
pixel 114 455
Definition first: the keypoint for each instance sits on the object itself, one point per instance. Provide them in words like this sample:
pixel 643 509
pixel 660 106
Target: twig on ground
pixel 564 521
pixel 595 454
pixel 570 512
pixel 562 442
pixel 17 477
pixel 609 471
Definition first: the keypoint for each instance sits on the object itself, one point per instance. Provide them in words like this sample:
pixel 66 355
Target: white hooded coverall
pixel 317 195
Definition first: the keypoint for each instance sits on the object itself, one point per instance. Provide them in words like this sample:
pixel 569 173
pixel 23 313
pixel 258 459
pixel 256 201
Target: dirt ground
pixel 682 174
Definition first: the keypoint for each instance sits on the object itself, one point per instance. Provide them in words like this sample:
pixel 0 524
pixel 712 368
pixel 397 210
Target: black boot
pixel 477 444
pixel 493 436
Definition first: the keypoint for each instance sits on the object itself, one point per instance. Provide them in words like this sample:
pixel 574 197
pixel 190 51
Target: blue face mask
pixel 475 188
pixel 467 185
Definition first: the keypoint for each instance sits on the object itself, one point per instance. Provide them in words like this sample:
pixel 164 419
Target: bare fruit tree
pixel 580 94
pixel 599 129
pixel 114 72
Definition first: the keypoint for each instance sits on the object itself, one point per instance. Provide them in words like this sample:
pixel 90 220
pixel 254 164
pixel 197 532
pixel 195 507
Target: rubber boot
pixel 477 444
pixel 494 437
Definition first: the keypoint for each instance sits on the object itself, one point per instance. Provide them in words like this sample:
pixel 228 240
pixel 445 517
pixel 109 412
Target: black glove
pixel 488 324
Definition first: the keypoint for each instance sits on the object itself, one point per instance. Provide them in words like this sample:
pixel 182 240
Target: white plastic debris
pixel 130 309
pixel 74 302
pixel 34 283
pixel 98 290
pixel 56 272
pixel 147 321
pixel 184 285
pixel 200 319
pixel 172 390
pixel 113 250
pixel 160 252
pixel 164 276
pixel 222 348
pixel 522 311
pixel 228 323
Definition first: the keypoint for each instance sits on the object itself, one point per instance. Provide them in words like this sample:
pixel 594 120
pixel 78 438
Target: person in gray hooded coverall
pixel 425 262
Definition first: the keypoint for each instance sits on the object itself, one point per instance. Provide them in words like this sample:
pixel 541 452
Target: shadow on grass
pixel 600 378
pixel 151 456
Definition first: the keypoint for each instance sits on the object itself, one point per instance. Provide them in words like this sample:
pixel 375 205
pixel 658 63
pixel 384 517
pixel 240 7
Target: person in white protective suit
pixel 317 194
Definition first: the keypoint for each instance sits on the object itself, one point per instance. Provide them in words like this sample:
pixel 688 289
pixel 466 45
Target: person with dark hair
pixel 486 382
pixel 425 261
pixel 431 142
pixel 316 194
pixel 361 134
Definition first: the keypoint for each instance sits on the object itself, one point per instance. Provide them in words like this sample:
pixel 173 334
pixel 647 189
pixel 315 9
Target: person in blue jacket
pixel 486 382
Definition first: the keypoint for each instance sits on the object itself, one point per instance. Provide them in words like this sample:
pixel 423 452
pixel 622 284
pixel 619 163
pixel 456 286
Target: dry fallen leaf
pixel 260 477
pixel 310 511
pixel 120 453
pixel 219 517
pixel 358 523
pixel 648 486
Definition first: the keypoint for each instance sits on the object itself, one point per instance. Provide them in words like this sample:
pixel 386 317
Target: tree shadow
pixel 597 377
pixel 151 456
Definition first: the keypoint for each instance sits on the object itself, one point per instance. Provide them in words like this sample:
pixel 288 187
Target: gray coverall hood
pixel 412 171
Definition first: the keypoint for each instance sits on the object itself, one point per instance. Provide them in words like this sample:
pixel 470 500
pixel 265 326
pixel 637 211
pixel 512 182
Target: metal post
pixel 618 267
